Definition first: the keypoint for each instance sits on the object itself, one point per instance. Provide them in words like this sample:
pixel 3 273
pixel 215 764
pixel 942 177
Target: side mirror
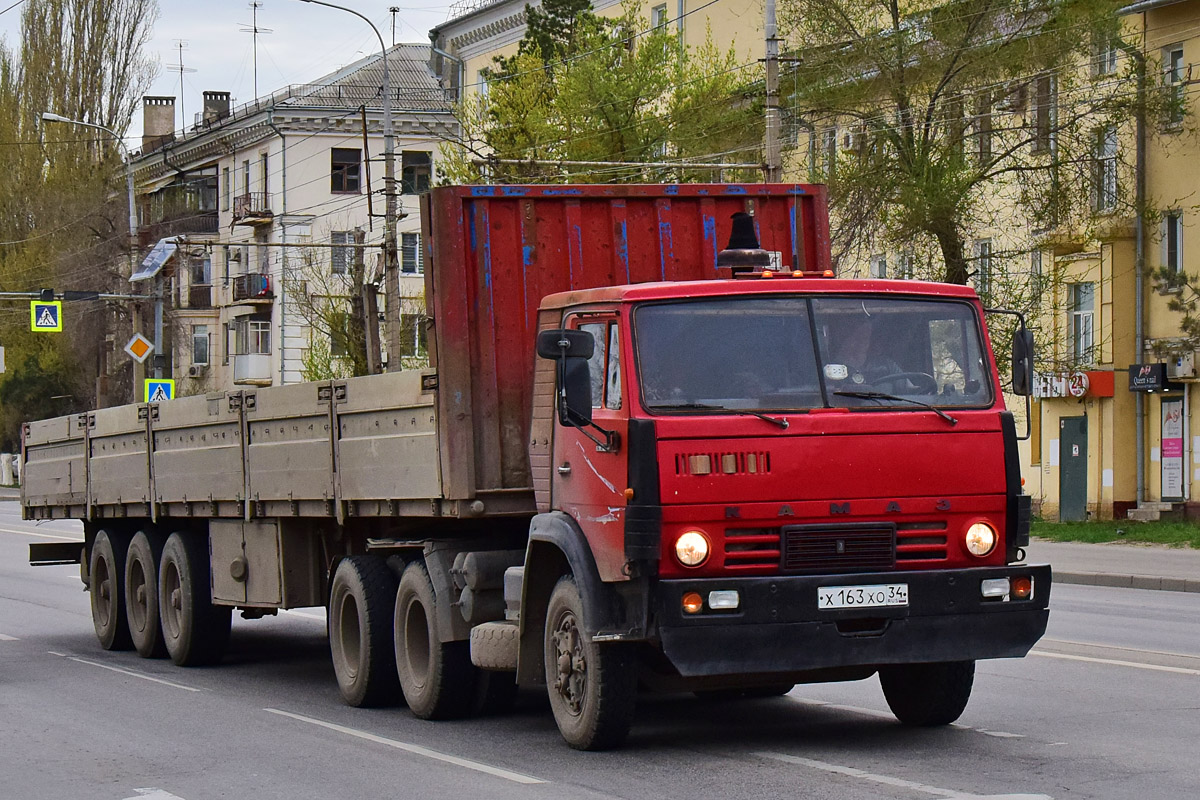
pixel 1022 361
pixel 573 394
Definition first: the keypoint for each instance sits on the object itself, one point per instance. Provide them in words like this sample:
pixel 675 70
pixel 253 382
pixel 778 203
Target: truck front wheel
pixel 107 568
pixel 928 694
pixel 437 677
pixel 592 687
pixel 141 594
pixel 360 631
pixel 196 632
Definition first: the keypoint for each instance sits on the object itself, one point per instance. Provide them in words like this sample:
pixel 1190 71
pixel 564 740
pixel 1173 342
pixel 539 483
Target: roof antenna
pixel 253 29
pixel 394 11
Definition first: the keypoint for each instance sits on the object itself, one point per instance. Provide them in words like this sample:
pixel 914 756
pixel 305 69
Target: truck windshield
pixel 793 353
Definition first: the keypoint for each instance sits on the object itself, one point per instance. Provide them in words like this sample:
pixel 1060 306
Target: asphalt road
pixel 1106 707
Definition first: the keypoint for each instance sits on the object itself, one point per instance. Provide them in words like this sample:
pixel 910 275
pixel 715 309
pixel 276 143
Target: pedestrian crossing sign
pixel 159 390
pixel 45 316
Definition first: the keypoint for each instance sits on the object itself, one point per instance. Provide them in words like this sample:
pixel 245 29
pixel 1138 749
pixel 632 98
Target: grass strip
pixel 1177 534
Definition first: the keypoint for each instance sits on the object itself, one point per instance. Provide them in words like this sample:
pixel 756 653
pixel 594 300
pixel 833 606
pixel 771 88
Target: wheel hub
pixel 571 679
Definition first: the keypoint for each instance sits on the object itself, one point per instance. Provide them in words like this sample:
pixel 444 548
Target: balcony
pixel 253 287
pixel 199 296
pixel 252 209
pixel 253 369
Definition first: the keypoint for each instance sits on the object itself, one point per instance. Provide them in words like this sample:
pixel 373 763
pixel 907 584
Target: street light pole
pixel 391 266
pixel 158 300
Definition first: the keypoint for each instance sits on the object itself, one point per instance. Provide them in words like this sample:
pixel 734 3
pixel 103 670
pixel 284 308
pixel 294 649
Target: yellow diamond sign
pixel 139 348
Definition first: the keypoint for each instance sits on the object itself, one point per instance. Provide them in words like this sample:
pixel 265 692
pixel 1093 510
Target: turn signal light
pixel 693 603
pixel 1022 588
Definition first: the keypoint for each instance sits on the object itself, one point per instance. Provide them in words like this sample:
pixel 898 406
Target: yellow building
pixel 1085 458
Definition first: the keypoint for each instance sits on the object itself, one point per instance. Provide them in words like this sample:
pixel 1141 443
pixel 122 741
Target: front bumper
pixel 778 627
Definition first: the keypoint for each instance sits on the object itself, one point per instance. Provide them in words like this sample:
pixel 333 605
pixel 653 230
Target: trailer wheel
pixel 360 631
pixel 196 632
pixel 928 694
pixel 107 567
pixel 592 687
pixel 141 594
pixel 437 677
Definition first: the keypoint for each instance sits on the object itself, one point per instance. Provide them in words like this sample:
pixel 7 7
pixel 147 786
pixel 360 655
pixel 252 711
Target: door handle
pixel 564 469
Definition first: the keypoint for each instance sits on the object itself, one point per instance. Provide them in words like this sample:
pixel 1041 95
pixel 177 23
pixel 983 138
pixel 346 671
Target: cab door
pixel 589 481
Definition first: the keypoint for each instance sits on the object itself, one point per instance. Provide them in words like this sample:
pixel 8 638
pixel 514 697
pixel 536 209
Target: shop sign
pixel 1061 384
pixel 1172 449
pixel 1149 378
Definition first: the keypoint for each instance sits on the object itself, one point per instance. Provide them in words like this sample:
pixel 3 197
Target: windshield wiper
pixel 886 396
pixel 783 423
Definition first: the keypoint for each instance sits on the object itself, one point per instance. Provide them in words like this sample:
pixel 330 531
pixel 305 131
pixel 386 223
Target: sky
pixel 307 41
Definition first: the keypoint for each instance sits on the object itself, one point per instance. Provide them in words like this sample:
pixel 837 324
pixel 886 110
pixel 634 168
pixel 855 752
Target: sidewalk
pixel 1129 565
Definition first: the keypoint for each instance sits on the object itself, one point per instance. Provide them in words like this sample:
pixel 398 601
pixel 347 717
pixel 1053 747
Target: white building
pixel 245 188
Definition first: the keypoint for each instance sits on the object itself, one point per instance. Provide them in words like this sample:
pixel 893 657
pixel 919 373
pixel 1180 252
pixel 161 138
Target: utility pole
pixel 771 148
pixel 391 265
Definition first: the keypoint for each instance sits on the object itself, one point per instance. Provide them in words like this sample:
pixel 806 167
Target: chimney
pixel 158 122
pixel 216 106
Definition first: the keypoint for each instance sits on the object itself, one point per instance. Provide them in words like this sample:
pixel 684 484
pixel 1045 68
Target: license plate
pixel 874 596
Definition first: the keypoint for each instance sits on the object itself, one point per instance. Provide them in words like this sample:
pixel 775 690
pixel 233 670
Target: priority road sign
pixel 45 316
pixel 139 348
pixel 159 390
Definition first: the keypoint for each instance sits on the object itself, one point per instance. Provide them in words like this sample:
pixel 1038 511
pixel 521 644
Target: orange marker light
pixel 629 494
pixel 828 273
pixel 797 274
pixel 693 603
pixel 1022 588
pixel 766 273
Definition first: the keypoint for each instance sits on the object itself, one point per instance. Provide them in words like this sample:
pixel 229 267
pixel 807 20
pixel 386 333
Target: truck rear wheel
pixel 107 569
pixel 437 677
pixel 592 687
pixel 141 594
pixel 195 631
pixel 360 631
pixel 928 694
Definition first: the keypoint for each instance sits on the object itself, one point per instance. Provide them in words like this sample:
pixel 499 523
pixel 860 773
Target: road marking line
pixel 1116 662
pixel 153 794
pixel 131 673
pixel 1118 647
pixel 515 777
pixel 42 535
pixel 54 653
pixel 4 637
pixel 900 783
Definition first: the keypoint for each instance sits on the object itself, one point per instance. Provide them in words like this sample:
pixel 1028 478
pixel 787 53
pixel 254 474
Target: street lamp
pixel 391 271
pixel 48 116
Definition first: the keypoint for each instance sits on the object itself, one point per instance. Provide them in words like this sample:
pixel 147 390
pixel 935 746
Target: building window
pixel 906 267
pixel 1104 56
pixel 410 253
pixel 246 177
pixel 1172 238
pixel 226 190
pixel 252 336
pixel 1175 79
pixel 1083 304
pixel 416 167
pixel 1035 275
pixel 337 337
pixel 1044 112
pixel 264 170
pixel 345 170
pixel 200 345
pixel 201 270
pixel 658 16
pixel 412 336
pixel 878 266
pixel 1104 169
pixel 983 267
pixel 983 128
pixel 340 258
pixel 829 144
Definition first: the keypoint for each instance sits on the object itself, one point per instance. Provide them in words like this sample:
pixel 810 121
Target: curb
pixel 1128 581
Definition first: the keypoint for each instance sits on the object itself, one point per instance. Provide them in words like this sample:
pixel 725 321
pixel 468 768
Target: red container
pixel 493 253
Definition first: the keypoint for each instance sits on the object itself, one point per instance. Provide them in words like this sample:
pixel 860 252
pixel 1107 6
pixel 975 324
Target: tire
pixel 592 687
pixel 195 631
pixel 141 594
pixel 360 632
pixel 926 695
pixel 437 678
pixel 107 570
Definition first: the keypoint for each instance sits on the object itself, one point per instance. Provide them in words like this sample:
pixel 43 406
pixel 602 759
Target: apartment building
pixel 263 203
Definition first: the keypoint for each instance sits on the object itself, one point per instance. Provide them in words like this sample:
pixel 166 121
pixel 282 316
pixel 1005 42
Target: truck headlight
pixel 691 548
pixel 980 539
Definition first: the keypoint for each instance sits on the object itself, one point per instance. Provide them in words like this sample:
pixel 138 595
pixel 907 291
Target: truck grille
pixel 819 548
pixel 723 463
pixel 920 541
pixel 751 548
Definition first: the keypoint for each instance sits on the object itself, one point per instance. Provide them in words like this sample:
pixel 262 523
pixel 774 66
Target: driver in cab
pixel 854 355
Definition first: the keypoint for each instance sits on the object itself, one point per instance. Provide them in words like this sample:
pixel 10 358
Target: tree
pixel 585 88
pixel 933 119
pixel 63 210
